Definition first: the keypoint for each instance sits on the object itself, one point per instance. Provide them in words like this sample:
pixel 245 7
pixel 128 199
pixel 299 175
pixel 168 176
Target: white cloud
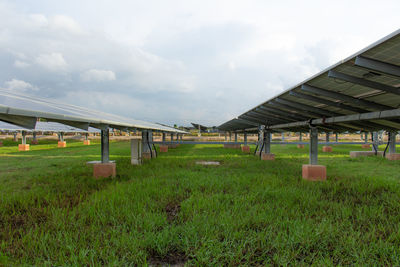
pixel 95 75
pixel 19 85
pixel 21 64
pixel 61 22
pixel 52 62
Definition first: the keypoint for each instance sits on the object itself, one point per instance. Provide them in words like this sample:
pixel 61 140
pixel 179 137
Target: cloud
pixel 19 85
pixel 52 62
pixel 95 75
pixel 21 64
pixel 61 22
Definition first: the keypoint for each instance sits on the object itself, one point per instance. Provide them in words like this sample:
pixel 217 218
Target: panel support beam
pixel 343 97
pixel 377 65
pixel 363 82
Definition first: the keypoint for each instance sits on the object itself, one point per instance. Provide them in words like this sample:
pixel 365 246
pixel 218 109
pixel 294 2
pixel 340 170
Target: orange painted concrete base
pixel 163 148
pixel 86 142
pixel 34 142
pixel 265 156
pixel 246 149
pixel 1 143
pixel 234 146
pixel 326 149
pixel 356 154
pixel 393 156
pixel 146 155
pixel 314 172
pixel 62 144
pixel 300 146
pixel 365 146
pixel 104 170
pixel 22 147
pixel 173 146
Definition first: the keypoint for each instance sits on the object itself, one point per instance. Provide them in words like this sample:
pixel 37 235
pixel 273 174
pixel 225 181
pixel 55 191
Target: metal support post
pixel 366 137
pixel 313 145
pixel 230 136
pixel 226 137
pixel 172 136
pixel 245 138
pixel 181 137
pixel 300 137
pixel 267 142
pixel 327 137
pixel 34 136
pixel 283 136
pixel 392 142
pixel 86 136
pixel 61 136
pixel 177 137
pixel 163 137
pixel 15 137
pixel 337 137
pixel 236 137
pixel 23 137
pixel 375 141
pixel 105 150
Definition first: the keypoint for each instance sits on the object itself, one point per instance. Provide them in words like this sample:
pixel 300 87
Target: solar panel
pixel 360 93
pixel 42 126
pixel 23 110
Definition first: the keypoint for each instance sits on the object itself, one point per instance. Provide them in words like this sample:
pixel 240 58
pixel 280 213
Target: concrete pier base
pixel 300 146
pixel 1 143
pixel 34 142
pixel 163 148
pixel 146 155
pixel 234 146
pixel 23 147
pixel 172 145
pixel 86 142
pixel 246 149
pixel 326 149
pixel 393 156
pixel 366 146
pixel 62 144
pixel 104 170
pixel 269 156
pixel 314 172
pixel 356 154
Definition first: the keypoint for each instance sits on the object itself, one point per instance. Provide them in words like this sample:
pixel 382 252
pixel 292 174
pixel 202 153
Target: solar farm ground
pixel 173 211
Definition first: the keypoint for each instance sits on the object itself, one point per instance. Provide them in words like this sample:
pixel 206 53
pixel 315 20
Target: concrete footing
pixel 23 147
pixel 365 146
pixel 356 154
pixel 1 143
pixel 234 146
pixel 268 156
pixel 300 146
pixel 163 148
pixel 146 155
pixel 246 149
pixel 86 142
pixel 314 172
pixel 62 144
pixel 393 156
pixel 173 145
pixel 34 142
pixel 326 149
pixel 104 170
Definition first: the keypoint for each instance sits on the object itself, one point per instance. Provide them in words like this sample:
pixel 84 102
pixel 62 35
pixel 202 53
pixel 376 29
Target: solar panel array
pixel 42 126
pixel 23 110
pixel 360 93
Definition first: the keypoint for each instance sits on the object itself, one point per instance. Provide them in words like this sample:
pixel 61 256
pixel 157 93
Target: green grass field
pixel 172 211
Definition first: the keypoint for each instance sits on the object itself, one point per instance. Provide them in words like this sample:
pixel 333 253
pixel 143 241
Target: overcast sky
pixel 179 61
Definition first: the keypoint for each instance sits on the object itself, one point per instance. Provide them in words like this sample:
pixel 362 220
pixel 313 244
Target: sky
pixel 176 62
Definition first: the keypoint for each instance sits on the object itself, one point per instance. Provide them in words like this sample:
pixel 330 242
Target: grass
pixel 172 211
